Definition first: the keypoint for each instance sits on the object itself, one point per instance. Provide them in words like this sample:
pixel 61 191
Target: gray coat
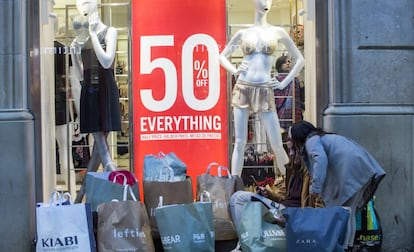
pixel 340 169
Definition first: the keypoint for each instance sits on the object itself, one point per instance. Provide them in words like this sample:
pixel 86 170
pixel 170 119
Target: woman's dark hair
pixel 301 130
pixel 279 62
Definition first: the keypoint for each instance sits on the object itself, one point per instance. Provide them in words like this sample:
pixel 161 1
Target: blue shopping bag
pixel 315 229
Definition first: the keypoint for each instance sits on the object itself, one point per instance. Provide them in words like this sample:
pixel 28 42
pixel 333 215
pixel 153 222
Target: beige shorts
pixel 258 97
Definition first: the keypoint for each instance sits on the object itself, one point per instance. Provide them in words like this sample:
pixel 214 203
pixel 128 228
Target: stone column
pixel 17 134
pixel 371 99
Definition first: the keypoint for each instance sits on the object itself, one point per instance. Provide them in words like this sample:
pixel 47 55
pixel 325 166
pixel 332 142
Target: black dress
pixel 99 102
pixel 60 84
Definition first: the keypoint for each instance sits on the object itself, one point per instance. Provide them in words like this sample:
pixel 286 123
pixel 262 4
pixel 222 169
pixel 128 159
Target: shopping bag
pixel 186 227
pixel 315 229
pixel 99 188
pixel 64 226
pixel 220 189
pixel 173 193
pixel 258 231
pixel 124 225
pixel 368 234
pixel 153 164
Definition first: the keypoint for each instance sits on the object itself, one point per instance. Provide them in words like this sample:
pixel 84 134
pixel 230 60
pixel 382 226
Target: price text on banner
pixel 179 92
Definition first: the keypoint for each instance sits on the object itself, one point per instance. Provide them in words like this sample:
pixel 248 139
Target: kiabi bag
pixel 64 226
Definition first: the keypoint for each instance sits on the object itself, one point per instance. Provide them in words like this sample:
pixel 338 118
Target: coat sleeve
pixel 318 161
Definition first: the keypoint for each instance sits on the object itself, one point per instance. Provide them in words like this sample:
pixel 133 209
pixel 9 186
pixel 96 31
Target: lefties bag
pixel 186 227
pixel 315 229
pixel 258 231
pixel 124 225
pixel 368 235
pixel 153 165
pixel 220 189
pixel 100 188
pixel 64 226
pixel 177 192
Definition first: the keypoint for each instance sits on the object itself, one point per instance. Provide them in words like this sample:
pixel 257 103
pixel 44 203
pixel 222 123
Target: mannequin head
pixel 86 7
pixel 262 6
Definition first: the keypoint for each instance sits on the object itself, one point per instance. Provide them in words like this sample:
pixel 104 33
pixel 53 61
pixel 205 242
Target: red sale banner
pixel 179 104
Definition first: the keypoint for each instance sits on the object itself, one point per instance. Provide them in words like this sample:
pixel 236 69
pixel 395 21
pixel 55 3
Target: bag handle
pixel 161 154
pixel 160 201
pixel 219 169
pixel 207 194
pixel 55 199
pixel 127 189
pixel 169 177
pixel 58 199
pixel 120 174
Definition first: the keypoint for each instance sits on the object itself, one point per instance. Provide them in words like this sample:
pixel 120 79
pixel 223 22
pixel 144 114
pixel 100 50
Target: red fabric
pixel 130 178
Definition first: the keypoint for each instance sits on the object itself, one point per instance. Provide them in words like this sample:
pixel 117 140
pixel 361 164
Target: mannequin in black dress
pixel 99 102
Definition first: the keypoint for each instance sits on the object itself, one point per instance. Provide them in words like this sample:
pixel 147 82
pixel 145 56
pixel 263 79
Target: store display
pixel 253 91
pixel 74 25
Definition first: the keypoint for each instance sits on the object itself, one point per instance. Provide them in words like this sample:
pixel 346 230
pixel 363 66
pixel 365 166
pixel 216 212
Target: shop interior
pixel 73 152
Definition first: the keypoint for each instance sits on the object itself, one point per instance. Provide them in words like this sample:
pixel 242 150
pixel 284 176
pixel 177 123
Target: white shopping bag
pixel 64 226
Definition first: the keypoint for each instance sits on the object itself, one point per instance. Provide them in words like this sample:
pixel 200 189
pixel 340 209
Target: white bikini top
pixel 268 47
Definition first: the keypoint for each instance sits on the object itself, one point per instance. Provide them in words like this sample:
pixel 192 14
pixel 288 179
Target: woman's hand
pixel 262 190
pixel 316 200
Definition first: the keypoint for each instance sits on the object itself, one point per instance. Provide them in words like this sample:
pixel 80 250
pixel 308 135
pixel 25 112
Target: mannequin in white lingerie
pixel 253 91
pixel 100 109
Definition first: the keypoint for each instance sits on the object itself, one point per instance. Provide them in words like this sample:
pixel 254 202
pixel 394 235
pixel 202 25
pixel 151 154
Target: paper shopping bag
pixel 316 229
pixel 186 227
pixel 172 192
pixel 220 189
pixel 64 226
pixel 258 231
pixel 123 226
pixel 99 188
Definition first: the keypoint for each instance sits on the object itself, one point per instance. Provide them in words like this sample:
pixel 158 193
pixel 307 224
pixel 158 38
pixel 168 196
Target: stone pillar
pixel 17 141
pixel 371 99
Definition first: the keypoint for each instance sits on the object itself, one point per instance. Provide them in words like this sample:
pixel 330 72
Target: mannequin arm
pixel 76 60
pixel 105 57
pixel 228 51
pixel 295 54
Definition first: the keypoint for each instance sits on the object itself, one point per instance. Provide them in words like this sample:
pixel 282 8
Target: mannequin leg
pixel 76 90
pixel 101 143
pixel 100 154
pixel 241 117
pixel 272 127
pixel 260 135
pixel 93 166
pixel 67 171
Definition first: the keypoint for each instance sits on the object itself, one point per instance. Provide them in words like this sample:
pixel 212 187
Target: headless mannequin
pixel 67 172
pixel 105 57
pixel 258 43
